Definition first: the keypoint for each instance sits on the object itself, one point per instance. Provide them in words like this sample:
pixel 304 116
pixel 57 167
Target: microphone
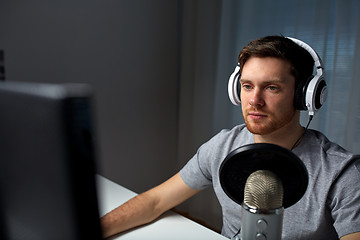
pixel 264 179
pixel 262 208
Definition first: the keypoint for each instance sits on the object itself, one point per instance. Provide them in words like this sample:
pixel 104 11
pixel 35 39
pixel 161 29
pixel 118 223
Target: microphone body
pixel 261 225
pixel 262 209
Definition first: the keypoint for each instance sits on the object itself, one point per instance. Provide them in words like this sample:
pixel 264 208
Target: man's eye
pixel 273 88
pixel 246 86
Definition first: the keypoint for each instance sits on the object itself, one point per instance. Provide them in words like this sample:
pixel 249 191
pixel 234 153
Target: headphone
pixel 309 95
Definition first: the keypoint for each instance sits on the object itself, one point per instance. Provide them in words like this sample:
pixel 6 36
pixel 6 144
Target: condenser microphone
pixel 264 179
pixel 262 209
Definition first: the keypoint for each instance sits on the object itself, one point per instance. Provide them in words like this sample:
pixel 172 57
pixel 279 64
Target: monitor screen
pixel 2 65
pixel 47 162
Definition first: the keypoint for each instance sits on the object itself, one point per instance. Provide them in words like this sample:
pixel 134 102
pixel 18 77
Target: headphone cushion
pixel 321 94
pixel 300 94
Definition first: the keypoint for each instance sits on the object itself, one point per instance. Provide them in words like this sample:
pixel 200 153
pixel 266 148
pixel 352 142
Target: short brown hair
pixel 280 47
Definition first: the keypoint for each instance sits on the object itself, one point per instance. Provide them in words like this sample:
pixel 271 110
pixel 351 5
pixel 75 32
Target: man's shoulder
pixel 318 139
pixel 238 129
pixel 321 154
pixel 227 140
pixel 238 134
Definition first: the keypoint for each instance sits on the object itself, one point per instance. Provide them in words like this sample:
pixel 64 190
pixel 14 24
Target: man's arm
pixel 147 206
pixel 352 236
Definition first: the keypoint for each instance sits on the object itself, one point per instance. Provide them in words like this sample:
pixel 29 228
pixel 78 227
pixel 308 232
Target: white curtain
pixel 214 32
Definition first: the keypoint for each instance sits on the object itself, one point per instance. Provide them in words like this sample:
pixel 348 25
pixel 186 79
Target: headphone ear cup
pixel 311 94
pixel 316 93
pixel 300 95
pixel 234 87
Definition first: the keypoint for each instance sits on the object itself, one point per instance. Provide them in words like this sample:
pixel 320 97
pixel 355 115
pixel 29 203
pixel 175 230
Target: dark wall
pixel 128 51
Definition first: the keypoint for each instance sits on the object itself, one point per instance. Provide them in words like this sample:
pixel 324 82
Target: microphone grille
pixel 263 190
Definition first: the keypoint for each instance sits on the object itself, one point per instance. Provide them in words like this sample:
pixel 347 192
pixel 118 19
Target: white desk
pixel 170 226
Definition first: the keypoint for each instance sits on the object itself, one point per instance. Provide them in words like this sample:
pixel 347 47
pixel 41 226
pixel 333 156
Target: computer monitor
pixel 47 162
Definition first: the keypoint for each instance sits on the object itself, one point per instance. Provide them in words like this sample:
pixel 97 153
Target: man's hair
pixel 283 48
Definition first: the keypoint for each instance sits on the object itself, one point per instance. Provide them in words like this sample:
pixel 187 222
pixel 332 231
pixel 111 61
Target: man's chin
pixel 258 129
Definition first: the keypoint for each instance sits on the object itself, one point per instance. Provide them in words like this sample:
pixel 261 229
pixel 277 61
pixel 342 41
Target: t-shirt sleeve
pixel 195 175
pixel 202 170
pixel 344 200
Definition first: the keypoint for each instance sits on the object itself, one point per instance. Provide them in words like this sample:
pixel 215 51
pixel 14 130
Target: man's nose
pixel 257 99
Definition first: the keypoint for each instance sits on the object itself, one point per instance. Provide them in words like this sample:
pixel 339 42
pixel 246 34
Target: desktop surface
pixel 169 226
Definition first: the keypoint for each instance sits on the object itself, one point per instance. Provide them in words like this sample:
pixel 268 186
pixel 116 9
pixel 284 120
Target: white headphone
pixel 309 95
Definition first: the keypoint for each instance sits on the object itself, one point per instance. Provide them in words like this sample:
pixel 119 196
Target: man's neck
pixel 285 137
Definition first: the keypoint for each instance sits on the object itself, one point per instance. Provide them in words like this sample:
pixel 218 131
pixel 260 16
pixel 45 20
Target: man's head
pixel 271 68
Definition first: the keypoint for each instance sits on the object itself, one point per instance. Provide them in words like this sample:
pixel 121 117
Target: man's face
pixel 267 95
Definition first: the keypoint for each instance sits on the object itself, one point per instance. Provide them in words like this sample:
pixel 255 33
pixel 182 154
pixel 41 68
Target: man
pixel 271 70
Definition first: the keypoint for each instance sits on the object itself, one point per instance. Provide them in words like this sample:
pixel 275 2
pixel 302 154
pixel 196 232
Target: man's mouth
pixel 256 115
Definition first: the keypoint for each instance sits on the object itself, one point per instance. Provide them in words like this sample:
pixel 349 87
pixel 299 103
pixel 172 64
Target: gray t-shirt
pixel 330 207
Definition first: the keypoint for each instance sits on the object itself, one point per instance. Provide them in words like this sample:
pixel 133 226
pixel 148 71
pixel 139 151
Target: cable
pixel 302 135
pixel 236 236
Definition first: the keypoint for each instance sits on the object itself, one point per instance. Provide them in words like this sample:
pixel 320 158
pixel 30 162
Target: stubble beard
pixel 268 125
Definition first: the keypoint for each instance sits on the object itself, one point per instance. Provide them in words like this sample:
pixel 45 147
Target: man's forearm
pixel 147 206
pixel 137 211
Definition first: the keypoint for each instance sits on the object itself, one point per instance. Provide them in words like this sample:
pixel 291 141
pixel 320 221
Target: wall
pixel 132 53
pixel 128 51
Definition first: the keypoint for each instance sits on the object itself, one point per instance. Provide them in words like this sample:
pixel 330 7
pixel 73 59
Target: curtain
pixel 331 28
pixel 213 33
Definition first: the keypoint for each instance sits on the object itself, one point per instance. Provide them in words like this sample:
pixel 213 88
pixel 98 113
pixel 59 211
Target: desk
pixel 169 226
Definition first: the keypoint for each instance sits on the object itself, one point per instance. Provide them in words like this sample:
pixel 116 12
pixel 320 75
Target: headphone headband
pixel 317 60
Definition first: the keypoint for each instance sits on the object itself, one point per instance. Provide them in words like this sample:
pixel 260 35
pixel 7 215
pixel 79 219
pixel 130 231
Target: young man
pixel 271 69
